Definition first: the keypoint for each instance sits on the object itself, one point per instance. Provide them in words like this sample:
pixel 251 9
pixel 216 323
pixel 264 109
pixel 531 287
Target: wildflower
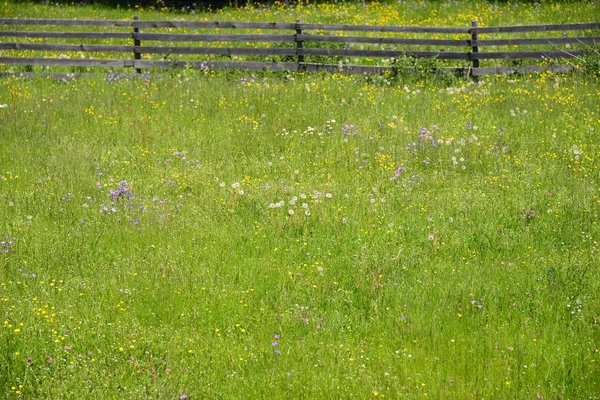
pixel 397 172
pixel 122 191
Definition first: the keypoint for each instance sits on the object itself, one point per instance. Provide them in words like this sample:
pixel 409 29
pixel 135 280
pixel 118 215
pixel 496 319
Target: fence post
pixel 299 44
pixel 474 47
pixel 137 55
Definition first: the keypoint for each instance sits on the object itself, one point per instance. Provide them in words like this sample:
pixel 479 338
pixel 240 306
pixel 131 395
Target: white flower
pixel 291 212
pixel 328 195
pixel 3 105
pixel 235 185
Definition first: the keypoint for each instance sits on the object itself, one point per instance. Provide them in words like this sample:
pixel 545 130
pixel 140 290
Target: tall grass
pixel 297 236
pixel 234 235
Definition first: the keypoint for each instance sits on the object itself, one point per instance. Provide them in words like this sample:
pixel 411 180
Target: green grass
pixel 472 273
pixel 239 235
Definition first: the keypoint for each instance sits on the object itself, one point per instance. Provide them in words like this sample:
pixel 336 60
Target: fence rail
pixel 308 47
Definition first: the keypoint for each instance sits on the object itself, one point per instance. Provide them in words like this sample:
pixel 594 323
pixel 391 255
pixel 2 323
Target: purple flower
pixel 275 344
pixel 183 396
pixel 349 130
pixel 123 191
pixel 276 336
pixel 277 352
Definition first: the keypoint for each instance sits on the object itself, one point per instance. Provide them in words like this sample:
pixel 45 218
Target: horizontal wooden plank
pixel 234 25
pixel 520 70
pixel 276 66
pixel 215 25
pixel 68 47
pixel 219 65
pixel 383 28
pixel 537 28
pixel 226 51
pixel 538 41
pixel 54 75
pixel 525 54
pixel 294 26
pixel 65 22
pixel 306 38
pixel 67 62
pixel 213 38
pixel 380 40
pixel 68 35
pixel 383 53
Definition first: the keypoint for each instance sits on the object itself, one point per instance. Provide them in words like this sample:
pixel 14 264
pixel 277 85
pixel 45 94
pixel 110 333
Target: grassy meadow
pixel 204 234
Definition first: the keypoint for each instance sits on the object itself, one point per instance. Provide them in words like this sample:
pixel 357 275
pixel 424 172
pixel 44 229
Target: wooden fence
pixel 295 46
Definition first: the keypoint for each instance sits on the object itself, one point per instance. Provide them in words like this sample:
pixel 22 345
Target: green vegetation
pixel 234 235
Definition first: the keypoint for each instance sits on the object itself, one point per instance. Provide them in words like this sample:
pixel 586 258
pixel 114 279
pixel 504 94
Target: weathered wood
pixel 54 75
pixel 298 38
pixel 215 25
pixel 385 40
pixel 521 70
pixel 475 48
pixel 444 55
pixel 174 37
pixel 220 65
pixel 540 28
pixel 137 43
pixel 67 35
pixel 234 25
pixel 526 54
pixel 67 62
pixel 64 22
pixel 225 51
pixel 383 28
pixel 276 66
pixel 304 37
pixel 538 41
pixel 299 42
pixel 68 47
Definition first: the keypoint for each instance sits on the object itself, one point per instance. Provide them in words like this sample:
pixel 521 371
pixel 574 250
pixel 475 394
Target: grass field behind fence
pixel 235 235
